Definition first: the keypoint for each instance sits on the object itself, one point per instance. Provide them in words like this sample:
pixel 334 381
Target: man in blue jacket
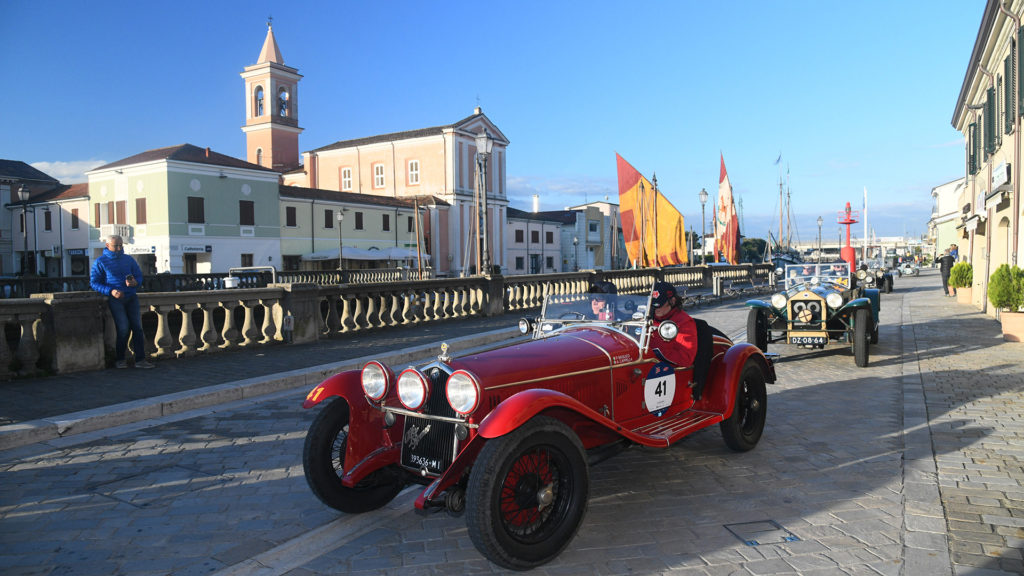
pixel 116 276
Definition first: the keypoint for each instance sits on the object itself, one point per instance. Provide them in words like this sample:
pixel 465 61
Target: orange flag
pixel 727 225
pixel 654 230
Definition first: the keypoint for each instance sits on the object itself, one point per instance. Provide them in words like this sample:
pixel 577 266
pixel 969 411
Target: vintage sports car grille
pixel 806 313
pixel 426 443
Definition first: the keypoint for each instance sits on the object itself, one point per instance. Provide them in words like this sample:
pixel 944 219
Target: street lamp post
pixel 23 195
pixel 341 245
pixel 820 222
pixel 703 232
pixel 484 143
pixel 576 250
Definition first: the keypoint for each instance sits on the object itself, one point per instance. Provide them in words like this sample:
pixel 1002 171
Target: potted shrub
pixel 1006 293
pixel 961 277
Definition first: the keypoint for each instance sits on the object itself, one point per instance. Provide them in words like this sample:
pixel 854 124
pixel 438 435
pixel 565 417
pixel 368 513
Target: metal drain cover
pixel 763 532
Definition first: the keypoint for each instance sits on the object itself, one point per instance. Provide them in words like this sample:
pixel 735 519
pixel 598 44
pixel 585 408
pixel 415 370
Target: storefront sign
pixel 76 251
pixel 1000 176
pixel 196 249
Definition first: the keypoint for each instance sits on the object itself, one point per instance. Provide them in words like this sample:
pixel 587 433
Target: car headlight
pixel 879 274
pixel 463 392
pixel 668 330
pixel 869 280
pixel 412 389
pixel 375 379
pixel 525 326
pixel 862 274
pixel 815 280
pixel 834 300
pixel 779 301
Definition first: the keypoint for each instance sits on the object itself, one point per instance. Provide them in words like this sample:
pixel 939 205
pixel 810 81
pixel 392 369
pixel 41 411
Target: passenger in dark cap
pixel 602 300
pixel 666 306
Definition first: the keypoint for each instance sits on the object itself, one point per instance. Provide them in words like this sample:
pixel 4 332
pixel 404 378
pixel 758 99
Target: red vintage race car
pixel 505 435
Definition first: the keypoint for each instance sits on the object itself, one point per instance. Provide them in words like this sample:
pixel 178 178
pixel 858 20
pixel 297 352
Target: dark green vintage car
pixel 821 304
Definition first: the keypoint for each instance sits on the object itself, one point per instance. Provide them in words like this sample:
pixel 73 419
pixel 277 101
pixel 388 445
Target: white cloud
pixel 557 193
pixel 68 172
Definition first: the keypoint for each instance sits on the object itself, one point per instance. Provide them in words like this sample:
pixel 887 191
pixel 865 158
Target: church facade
pixel 437 167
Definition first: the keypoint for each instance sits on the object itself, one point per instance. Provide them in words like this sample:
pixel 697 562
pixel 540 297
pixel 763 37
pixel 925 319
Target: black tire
pixel 507 522
pixel 742 430
pixel 888 285
pixel 861 336
pixel 757 328
pixel 323 459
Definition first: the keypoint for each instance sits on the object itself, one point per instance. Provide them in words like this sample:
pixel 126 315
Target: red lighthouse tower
pixel 847 252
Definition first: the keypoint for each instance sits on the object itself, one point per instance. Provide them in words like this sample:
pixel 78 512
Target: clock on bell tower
pixel 272 109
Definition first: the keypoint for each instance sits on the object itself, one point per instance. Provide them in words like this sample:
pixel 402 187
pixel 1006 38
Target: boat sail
pixel 654 229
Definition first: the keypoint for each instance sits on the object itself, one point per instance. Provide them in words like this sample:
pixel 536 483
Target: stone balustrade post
pixel 78 343
pixel 303 301
pixel 493 296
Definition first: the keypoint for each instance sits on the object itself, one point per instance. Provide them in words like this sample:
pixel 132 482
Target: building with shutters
pixel 988 113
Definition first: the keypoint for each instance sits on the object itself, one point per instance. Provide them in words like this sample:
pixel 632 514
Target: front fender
pixel 856 303
pixel 345 384
pixel 518 408
pixel 736 357
pixel 371 444
pixel 759 304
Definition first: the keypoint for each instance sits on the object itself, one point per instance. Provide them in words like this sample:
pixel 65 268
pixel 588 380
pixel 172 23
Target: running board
pixel 665 431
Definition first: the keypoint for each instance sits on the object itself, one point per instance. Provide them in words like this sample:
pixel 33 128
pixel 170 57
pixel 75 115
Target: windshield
pixel 600 308
pixel 835 272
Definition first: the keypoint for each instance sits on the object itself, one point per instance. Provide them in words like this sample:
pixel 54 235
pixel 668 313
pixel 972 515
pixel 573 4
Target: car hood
pixel 569 351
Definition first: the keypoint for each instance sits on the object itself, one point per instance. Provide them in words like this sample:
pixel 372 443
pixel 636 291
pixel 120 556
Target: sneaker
pixel 120 364
pixel 144 364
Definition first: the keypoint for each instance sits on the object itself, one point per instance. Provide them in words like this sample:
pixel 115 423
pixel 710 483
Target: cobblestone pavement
pixel 908 466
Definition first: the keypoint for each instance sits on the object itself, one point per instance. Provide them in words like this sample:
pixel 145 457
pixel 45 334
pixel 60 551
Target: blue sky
pixel 852 94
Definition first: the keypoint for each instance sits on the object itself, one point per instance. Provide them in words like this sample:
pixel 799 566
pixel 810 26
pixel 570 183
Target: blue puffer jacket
pixel 110 270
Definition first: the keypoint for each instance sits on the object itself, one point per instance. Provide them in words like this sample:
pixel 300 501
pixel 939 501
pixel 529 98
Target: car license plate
pixel 808 340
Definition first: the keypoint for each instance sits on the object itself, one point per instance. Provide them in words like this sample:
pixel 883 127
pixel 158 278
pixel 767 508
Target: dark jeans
pixel 945 284
pixel 125 311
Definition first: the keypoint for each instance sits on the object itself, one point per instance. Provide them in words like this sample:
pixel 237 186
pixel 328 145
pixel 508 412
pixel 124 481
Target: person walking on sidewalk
pixel 946 262
pixel 116 276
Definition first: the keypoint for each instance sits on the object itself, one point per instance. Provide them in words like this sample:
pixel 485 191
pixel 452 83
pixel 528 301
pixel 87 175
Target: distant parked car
pixel 821 304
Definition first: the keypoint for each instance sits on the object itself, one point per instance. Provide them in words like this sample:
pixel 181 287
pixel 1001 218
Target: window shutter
pixel 1017 58
pixel 1010 83
pixel 990 122
pixel 972 140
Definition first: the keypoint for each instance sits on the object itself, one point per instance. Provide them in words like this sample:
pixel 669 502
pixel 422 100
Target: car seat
pixel 702 360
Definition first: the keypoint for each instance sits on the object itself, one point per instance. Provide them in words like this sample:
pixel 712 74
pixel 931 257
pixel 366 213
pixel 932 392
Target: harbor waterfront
pixel 911 465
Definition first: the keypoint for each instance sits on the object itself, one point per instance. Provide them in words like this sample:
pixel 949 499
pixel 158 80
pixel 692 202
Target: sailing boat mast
pixel 654 180
pixel 782 206
pixel 789 219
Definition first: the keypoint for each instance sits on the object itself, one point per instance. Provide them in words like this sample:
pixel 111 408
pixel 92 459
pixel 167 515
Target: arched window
pixel 258 105
pixel 283 106
pixel 259 156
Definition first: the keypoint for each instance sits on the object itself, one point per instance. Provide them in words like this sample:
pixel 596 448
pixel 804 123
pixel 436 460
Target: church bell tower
pixel 272 109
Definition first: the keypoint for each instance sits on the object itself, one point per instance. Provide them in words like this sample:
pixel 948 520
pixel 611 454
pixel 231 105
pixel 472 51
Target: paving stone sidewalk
pixel 909 466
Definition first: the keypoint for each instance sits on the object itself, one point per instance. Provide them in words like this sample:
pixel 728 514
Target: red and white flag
pixel 727 225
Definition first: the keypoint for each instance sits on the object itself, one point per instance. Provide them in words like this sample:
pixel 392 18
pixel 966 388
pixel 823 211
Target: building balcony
pixel 122 230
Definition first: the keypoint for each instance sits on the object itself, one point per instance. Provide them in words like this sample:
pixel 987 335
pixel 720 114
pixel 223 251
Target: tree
pixel 752 250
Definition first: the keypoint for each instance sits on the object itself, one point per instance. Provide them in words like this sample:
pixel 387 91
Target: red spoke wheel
pixel 527 494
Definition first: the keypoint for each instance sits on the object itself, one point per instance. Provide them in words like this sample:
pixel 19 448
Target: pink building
pixel 439 162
